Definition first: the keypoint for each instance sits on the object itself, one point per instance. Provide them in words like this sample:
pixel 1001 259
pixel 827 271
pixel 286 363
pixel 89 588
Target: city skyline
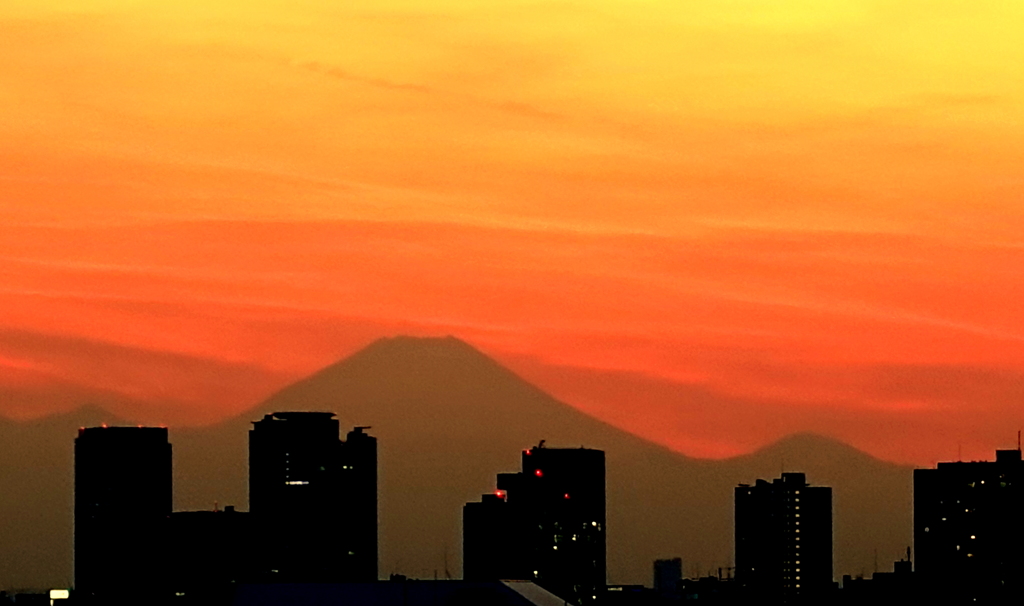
pixel 545 524
pixel 488 414
pixel 734 246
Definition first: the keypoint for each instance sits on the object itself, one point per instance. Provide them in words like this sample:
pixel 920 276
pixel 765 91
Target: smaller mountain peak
pixel 812 446
pixel 87 415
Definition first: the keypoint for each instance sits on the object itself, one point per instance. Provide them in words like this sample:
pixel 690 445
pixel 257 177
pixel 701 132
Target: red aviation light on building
pixel 539 473
pixel 500 494
pixel 567 495
pixel 528 452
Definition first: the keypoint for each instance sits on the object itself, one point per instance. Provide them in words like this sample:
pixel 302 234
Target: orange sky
pixel 711 223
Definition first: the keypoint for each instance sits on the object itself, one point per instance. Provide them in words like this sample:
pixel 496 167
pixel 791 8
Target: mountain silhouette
pixel 448 419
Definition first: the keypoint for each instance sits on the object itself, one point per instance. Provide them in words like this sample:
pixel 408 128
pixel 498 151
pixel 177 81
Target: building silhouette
pixel 359 478
pixel 883 588
pixel 122 499
pixel 969 529
pixel 667 575
pixel 313 499
pixel 209 553
pixel 545 524
pixel 784 539
pixel 495 545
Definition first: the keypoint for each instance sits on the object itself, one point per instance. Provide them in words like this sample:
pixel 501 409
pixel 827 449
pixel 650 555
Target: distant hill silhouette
pixel 448 419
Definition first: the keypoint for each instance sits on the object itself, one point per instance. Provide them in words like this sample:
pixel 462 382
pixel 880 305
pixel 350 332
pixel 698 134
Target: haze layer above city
pixel 712 225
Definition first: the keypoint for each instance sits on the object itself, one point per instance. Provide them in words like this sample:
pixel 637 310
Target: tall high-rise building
pixel 123 496
pixel 359 479
pixel 313 498
pixel 545 524
pixel 784 539
pixel 969 529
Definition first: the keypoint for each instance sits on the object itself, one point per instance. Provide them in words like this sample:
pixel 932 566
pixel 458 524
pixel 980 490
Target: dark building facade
pixel 123 496
pixel 545 524
pixel 969 529
pixel 313 498
pixel 209 553
pixel 667 574
pixel 784 539
pixel 883 588
pixel 359 477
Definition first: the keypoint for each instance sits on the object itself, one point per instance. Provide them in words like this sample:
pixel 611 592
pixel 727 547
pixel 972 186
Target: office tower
pixel 314 498
pixel 545 524
pixel 359 479
pixel 122 500
pixel 667 574
pixel 784 539
pixel 969 529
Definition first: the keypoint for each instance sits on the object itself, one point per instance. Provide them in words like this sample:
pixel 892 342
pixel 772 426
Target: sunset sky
pixel 710 222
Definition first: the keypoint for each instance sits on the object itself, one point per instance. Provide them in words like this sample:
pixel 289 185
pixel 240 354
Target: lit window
pixel 296 483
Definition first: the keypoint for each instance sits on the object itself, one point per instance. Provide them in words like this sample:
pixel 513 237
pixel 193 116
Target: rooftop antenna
pixel 1018 439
